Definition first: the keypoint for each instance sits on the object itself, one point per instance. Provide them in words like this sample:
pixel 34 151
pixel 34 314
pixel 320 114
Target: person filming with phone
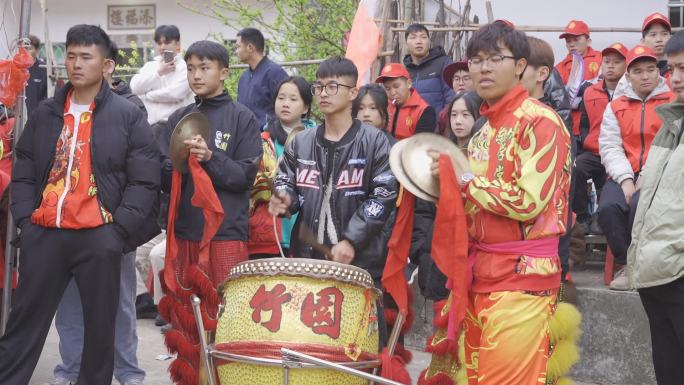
pixel 162 83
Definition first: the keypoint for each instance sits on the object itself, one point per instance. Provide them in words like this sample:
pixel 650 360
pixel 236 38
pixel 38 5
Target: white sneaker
pixel 621 281
pixel 60 381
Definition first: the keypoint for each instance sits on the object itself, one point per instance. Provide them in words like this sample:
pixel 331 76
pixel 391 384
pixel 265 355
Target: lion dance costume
pixel 505 325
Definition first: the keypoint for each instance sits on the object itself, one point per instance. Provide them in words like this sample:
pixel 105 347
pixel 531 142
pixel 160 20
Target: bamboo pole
pixel 526 28
pixel 10 250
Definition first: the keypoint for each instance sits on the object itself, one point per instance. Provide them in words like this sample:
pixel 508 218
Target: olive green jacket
pixel 656 254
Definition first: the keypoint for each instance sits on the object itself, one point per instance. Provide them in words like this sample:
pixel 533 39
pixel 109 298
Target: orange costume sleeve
pixel 540 157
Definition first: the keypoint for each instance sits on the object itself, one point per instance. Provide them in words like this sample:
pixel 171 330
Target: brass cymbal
pixel 194 123
pixel 416 161
pixel 398 170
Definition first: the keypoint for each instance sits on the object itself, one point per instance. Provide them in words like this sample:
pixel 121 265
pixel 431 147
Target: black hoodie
pixel 236 151
pixel 122 88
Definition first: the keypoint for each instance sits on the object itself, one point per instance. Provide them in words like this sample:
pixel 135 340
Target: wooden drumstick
pixel 307 236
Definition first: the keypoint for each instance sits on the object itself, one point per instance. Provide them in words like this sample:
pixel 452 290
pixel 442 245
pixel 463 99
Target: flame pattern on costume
pixel 521 162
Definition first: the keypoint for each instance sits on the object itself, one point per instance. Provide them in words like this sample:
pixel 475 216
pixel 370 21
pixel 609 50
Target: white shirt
pixel 162 95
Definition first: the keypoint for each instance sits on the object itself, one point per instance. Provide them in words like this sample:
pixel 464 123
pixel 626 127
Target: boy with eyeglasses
pixel 516 206
pixel 408 112
pixel 338 177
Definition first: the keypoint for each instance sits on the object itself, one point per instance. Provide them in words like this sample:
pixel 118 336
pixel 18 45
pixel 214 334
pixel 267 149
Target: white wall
pixel 62 14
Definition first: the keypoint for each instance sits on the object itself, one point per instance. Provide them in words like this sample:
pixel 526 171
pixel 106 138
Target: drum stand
pixel 290 359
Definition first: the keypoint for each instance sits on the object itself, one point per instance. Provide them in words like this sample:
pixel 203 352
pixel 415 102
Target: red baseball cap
pixel 617 48
pixel 504 22
pixel 392 71
pixel 450 70
pixel 575 28
pixel 638 52
pixel 656 18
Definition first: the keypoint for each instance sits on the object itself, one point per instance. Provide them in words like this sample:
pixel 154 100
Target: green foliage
pixel 302 29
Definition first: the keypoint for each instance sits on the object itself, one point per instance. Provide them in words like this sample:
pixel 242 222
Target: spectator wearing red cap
pixel 577 39
pixel 595 98
pixel 628 128
pixel 655 32
pixel 656 255
pixel 409 113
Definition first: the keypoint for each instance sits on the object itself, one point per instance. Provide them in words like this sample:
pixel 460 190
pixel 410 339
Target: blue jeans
pixel 69 323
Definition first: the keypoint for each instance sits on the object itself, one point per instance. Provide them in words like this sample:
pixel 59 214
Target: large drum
pixel 321 308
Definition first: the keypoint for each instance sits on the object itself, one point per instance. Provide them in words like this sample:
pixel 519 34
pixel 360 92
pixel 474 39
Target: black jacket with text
pixel 364 190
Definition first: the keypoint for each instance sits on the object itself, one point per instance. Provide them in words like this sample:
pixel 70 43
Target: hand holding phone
pixel 168 56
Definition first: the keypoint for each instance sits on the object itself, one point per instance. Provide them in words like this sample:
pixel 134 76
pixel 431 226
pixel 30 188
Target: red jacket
pixel 595 100
pixel 639 124
pixel 629 125
pixel 408 116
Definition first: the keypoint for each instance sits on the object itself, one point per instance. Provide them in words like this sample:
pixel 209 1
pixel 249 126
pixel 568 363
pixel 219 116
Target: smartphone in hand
pixel 168 56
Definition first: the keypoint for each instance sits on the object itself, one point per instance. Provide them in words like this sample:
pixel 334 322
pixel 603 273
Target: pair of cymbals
pixel 410 163
pixel 192 124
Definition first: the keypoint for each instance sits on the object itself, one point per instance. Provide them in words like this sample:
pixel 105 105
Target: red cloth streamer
pixel 399 245
pixel 394 368
pixel 205 198
pixel 450 243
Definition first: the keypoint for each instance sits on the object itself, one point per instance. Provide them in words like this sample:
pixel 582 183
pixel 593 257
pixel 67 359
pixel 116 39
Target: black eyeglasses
pixel 330 88
pixel 475 63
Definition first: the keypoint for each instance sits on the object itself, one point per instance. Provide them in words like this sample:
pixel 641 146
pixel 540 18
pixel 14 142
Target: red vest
pixel 409 113
pixel 596 100
pixel 592 65
pixel 639 124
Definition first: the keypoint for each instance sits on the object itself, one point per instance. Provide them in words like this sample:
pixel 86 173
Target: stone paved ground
pixel 151 346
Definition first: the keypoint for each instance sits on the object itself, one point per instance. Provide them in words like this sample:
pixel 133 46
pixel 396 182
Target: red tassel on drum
pixel 437 379
pixel 404 353
pixel 394 368
pixel 165 307
pixel 177 344
pixel 182 373
pixel 203 287
pixel 442 347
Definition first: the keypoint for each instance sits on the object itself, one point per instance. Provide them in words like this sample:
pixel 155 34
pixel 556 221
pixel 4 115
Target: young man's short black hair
pixel 675 44
pixel 416 27
pixel 488 39
pixel 85 35
pixel 338 66
pixel 166 32
pixel 113 54
pixel 210 50
pixel 35 41
pixel 254 37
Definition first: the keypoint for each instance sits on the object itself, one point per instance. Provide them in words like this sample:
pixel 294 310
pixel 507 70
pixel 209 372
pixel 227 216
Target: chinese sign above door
pixel 131 17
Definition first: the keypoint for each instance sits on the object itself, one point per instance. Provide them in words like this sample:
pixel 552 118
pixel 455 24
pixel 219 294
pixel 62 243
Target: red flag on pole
pixel 364 41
